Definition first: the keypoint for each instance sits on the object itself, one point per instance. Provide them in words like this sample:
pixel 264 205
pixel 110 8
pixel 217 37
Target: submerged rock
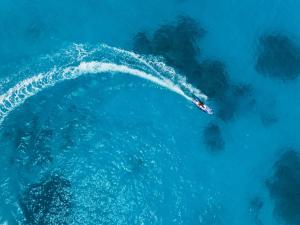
pixel 213 138
pixel 284 187
pixel 47 202
pixel 278 57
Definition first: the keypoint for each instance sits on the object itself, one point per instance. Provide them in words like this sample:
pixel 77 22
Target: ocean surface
pixel 98 124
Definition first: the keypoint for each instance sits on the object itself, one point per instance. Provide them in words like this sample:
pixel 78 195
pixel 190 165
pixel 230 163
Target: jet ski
pixel 202 106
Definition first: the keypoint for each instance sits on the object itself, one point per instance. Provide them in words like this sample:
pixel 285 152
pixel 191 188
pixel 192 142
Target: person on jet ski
pixel 202 106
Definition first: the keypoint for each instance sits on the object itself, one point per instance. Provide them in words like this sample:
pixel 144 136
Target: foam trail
pixel 18 94
pixel 112 60
pixel 150 64
pixel 98 67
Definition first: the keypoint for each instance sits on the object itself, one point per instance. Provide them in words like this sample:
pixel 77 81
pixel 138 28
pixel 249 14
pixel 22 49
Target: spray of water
pixel 80 60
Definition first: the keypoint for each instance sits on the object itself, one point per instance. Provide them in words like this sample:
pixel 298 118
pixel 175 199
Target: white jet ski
pixel 202 106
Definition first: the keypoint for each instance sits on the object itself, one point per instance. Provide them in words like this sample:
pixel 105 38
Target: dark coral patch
pixel 238 98
pixel 47 202
pixel 284 187
pixel 142 43
pixel 279 57
pixel 213 138
pixel 177 43
pixel 227 109
pixel 211 77
pixel 243 95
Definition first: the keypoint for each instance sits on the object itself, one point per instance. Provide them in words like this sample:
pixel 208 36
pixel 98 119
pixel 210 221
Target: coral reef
pixel 47 202
pixel 278 57
pixel 213 138
pixel 284 187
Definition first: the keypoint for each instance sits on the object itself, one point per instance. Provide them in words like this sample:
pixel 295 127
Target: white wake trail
pixel 100 67
pixel 113 60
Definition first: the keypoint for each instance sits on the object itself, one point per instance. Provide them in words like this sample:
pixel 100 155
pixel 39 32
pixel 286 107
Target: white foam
pixel 113 61
pixel 99 67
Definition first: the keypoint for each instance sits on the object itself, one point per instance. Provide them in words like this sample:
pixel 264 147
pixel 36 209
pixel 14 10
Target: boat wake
pixel 79 60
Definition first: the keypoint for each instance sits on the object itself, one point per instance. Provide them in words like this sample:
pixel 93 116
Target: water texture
pixel 98 124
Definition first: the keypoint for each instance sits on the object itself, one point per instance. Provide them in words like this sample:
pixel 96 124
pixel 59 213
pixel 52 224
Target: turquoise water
pixel 98 124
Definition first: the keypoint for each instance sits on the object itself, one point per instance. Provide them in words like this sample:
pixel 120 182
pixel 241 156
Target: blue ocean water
pixel 98 126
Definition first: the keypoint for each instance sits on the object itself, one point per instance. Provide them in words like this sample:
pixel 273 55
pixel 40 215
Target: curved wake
pixel 102 59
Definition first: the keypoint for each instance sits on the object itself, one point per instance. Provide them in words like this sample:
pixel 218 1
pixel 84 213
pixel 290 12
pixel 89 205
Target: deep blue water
pixel 84 143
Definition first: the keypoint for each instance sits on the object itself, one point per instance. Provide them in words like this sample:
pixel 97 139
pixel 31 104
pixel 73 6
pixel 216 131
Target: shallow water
pixel 92 134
